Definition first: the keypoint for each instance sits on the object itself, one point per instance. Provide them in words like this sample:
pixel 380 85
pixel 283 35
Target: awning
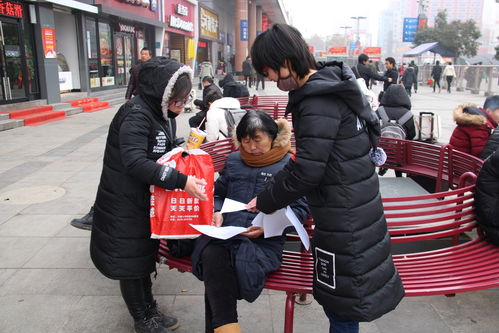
pixel 75 5
pixel 432 47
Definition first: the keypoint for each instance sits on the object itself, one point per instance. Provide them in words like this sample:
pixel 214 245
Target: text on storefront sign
pixel 177 22
pixel 143 3
pixel 11 9
pixel 126 28
pixel 209 23
pixel 182 10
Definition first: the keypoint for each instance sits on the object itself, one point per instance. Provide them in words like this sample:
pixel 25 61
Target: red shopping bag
pixel 173 211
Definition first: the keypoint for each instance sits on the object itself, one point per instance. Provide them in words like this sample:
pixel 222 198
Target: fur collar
pixel 283 134
pixel 463 118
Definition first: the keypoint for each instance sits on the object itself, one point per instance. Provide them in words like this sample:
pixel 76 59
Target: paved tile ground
pixel 48 282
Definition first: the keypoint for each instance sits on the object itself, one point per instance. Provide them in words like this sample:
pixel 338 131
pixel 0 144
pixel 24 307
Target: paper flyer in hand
pixel 218 232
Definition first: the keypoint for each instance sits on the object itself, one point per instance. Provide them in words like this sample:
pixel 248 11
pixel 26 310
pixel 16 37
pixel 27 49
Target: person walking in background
pixel 391 72
pixel 335 129
pixel 409 80
pixel 140 133
pixel 473 129
pixel 247 71
pixel 491 107
pixel 206 70
pixel 133 88
pixel 436 74
pixel 449 73
pixel 416 69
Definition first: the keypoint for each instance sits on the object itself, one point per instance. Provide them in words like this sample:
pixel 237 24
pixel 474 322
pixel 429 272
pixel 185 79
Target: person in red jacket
pixel 473 129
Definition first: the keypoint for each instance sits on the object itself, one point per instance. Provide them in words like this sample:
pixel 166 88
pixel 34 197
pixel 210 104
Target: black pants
pixel 449 81
pixel 195 120
pixel 436 82
pixel 221 288
pixel 137 294
pixel 262 80
pixel 247 80
pixel 408 90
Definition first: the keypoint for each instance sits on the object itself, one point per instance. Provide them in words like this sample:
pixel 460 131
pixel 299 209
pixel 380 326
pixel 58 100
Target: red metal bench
pixel 472 265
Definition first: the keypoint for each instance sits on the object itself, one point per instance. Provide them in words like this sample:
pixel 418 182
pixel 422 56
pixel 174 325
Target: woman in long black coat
pixel 141 132
pixel 355 278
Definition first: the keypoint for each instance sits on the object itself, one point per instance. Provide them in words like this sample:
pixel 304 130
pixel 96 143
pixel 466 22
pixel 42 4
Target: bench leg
pixel 289 312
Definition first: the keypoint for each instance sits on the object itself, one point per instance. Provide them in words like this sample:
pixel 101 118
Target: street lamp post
pixel 345 35
pixel 358 18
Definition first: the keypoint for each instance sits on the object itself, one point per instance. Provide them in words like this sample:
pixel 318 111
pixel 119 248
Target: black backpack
pixel 393 128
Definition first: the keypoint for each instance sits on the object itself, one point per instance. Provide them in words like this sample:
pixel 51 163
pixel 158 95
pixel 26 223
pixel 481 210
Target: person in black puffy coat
pixel 355 278
pixel 141 132
pixel 397 103
pixel 487 198
pixel 232 88
pixel 237 268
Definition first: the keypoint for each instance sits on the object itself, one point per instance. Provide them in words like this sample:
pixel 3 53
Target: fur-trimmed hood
pixel 469 115
pixel 283 134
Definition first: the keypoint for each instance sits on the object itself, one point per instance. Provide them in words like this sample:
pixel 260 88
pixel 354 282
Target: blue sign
pixel 244 30
pixel 353 45
pixel 410 28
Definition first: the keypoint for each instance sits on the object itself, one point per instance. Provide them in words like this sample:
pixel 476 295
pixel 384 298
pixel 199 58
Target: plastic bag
pixel 173 211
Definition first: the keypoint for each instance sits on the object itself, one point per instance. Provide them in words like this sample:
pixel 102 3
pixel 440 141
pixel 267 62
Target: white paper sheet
pixel 299 227
pixel 232 206
pixel 219 232
pixel 274 224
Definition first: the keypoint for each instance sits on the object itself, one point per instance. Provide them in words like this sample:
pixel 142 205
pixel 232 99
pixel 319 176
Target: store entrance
pixel 123 49
pixel 12 63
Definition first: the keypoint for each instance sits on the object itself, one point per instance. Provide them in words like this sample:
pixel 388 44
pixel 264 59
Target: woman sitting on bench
pixel 238 267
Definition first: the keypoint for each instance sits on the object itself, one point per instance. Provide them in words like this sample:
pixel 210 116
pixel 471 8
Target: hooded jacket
pixel 253 258
pixel 232 88
pixel 409 78
pixel 396 103
pixel 486 198
pixel 216 124
pixel 354 275
pixel 141 132
pixel 473 129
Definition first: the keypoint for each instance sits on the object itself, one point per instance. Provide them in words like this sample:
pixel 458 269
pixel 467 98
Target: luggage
pixel 428 126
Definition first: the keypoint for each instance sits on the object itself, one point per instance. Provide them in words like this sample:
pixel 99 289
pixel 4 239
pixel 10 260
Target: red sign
pixel 201 44
pixel 372 50
pixel 311 49
pixel 180 17
pixel 140 8
pixel 48 40
pixel 11 9
pixel 337 50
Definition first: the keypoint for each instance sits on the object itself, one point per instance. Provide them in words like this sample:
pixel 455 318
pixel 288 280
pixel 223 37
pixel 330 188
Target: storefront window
pixel 93 60
pixel 106 55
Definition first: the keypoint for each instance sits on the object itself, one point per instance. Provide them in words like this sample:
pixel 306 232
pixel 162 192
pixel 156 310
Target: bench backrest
pixel 219 151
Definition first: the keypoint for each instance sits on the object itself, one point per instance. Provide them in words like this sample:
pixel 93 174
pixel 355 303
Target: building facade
pixel 58 46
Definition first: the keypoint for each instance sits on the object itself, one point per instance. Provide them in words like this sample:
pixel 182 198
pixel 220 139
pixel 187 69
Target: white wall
pixel 66 43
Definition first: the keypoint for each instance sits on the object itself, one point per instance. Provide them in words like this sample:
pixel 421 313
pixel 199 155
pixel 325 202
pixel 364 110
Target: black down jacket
pixel 232 88
pixel 487 198
pixel 120 245
pixel 492 144
pixel 355 277
pixel 255 258
pixel 396 103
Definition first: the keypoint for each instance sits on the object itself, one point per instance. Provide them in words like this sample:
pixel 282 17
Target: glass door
pixel 128 56
pixel 12 68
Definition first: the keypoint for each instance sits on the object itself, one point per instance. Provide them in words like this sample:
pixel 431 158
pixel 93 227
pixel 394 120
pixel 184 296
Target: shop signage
pixel 410 28
pixel 143 3
pixel 126 28
pixel 9 8
pixel 337 50
pixel 180 17
pixel 153 6
pixel 201 44
pixel 244 30
pixel 177 22
pixel 182 10
pixel 48 41
pixel 208 23
pixel 372 50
